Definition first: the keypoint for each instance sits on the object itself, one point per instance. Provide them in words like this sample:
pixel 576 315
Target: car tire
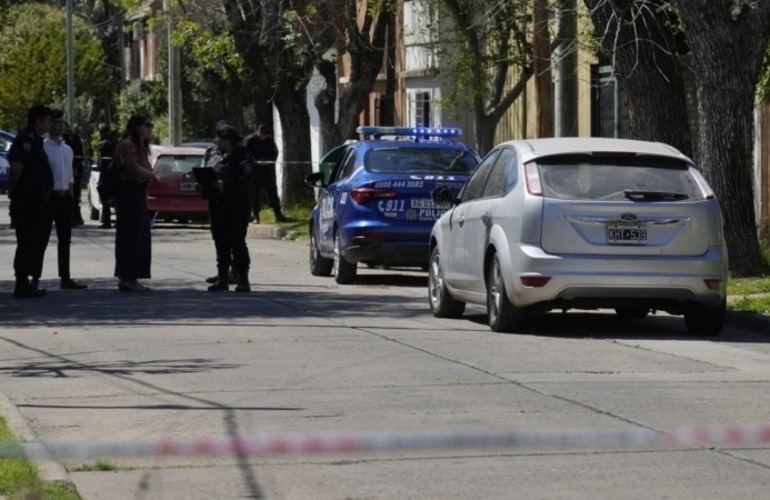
pixel 344 272
pixel 501 314
pixel 631 312
pixel 319 265
pixel 442 304
pixel 701 319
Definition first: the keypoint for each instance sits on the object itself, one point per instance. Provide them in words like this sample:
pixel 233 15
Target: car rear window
pixel 177 163
pixel 608 178
pixel 420 160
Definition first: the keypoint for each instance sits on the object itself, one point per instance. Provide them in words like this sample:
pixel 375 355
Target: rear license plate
pixel 187 186
pixel 626 234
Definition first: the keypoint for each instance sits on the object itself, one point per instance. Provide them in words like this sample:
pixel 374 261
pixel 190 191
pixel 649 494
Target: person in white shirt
pixel 60 157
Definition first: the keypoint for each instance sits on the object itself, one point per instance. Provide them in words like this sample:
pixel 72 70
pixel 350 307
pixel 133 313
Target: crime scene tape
pixel 352 442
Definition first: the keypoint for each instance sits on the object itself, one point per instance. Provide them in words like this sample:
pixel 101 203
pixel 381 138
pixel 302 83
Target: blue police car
pixel 6 138
pixel 374 204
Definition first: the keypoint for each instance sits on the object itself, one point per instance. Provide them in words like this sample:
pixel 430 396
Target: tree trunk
pixel 728 49
pixel 295 124
pixel 645 64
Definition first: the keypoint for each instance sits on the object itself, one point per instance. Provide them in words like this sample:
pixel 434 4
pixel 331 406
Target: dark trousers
pixel 77 217
pixel 60 210
pixel 133 241
pixel 30 228
pixel 265 179
pixel 229 223
pixel 104 217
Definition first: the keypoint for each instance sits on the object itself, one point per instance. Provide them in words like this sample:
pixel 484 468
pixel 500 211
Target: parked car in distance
pixel 173 196
pixel 374 203
pixel 6 139
pixel 575 223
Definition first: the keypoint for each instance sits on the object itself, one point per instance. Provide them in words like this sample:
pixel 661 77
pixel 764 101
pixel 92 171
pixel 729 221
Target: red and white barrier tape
pixel 305 444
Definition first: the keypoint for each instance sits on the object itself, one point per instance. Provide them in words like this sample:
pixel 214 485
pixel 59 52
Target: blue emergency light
pixel 416 132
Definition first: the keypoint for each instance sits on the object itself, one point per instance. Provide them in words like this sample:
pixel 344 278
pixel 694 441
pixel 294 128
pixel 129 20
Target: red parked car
pixel 174 196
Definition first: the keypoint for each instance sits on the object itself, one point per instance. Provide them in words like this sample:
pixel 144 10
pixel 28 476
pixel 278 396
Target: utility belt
pixel 60 192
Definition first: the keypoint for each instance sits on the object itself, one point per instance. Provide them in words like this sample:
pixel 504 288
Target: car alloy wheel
pixel 319 265
pixel 501 314
pixel 344 272
pixel 442 304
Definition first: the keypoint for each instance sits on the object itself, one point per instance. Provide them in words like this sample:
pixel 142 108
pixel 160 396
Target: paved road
pixel 301 354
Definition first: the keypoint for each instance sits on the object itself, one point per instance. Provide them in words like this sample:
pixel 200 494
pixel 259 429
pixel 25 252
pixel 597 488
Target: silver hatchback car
pixel 583 223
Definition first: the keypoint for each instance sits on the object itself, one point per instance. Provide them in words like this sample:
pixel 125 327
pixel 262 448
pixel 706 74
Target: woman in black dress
pixel 133 243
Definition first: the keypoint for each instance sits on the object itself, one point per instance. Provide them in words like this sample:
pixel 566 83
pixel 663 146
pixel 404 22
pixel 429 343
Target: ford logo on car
pixel 627 217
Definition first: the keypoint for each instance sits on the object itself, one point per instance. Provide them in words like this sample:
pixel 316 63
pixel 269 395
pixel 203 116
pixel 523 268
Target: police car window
pixel 338 172
pixel 498 183
pixel 419 160
pixel 475 184
pixel 348 165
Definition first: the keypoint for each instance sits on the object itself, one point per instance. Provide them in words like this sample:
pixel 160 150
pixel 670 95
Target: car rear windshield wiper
pixel 654 195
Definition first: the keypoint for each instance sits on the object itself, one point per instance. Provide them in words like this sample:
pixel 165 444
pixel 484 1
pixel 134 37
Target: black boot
pixel 243 283
pixel 220 285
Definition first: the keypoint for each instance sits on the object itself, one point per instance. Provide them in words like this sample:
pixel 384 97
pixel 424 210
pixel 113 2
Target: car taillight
pixel 532 173
pixel 362 195
pixel 154 184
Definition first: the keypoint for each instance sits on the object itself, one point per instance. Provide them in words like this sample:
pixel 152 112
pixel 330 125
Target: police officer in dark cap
pixel 229 205
pixel 29 189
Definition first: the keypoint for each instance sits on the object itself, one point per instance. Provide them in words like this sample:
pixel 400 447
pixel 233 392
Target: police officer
pixel 229 205
pixel 29 188
pixel 263 149
pixel 106 150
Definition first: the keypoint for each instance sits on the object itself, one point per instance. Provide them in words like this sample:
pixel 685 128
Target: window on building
pixel 420 108
pixel 609 116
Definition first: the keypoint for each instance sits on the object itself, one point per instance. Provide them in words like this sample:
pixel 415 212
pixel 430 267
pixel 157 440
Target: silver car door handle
pixel 460 220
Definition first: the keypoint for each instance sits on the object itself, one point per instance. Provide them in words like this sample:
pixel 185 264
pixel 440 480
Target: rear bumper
pixel 665 283
pixel 390 249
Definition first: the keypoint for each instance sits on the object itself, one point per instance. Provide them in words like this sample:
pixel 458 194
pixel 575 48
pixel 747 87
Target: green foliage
pixel 474 38
pixel 33 61
pixel 147 97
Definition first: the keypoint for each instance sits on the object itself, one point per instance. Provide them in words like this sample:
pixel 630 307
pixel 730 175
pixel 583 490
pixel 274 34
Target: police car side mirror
pixel 442 195
pixel 316 180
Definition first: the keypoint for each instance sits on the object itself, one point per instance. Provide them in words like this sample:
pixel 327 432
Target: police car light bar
pixel 410 131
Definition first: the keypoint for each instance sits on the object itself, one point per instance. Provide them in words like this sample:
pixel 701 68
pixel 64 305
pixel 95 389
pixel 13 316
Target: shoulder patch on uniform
pixel 27 146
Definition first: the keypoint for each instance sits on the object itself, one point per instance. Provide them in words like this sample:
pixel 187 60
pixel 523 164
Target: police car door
pixel 329 200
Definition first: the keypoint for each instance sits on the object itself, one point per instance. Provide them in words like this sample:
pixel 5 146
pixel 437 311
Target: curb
pixel 267 231
pixel 50 469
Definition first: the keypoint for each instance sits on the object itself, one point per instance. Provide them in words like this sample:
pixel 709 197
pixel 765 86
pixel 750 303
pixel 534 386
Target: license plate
pixel 187 186
pixel 626 234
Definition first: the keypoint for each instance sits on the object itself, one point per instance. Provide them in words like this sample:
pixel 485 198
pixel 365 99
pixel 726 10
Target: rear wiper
pixel 654 195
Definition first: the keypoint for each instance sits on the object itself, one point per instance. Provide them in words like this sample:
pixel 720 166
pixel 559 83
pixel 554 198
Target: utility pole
pixel 70 67
pixel 174 90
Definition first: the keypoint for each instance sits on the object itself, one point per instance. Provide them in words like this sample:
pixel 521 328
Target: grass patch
pixel 298 227
pixel 98 466
pixel 19 477
pixel 759 304
pixel 746 286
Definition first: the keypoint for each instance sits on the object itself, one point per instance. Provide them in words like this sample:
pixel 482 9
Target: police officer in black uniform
pixel 229 205
pixel 29 189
